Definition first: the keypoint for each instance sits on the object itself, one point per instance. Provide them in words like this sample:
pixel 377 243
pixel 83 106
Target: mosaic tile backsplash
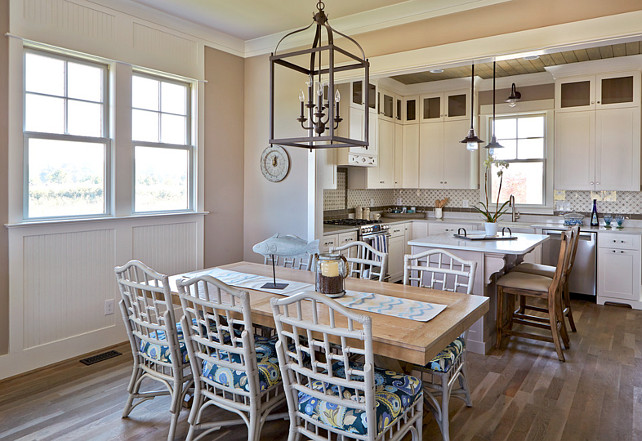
pixel 621 202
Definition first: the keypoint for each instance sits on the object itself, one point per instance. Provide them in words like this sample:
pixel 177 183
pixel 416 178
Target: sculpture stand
pixel 273 284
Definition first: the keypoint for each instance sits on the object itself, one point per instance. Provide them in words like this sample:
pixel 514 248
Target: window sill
pixel 39 222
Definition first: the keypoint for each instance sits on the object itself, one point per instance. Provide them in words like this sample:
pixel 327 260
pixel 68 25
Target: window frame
pixel 543 108
pixel 190 146
pixel 104 139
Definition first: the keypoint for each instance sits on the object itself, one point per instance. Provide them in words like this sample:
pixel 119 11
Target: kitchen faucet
pixel 514 215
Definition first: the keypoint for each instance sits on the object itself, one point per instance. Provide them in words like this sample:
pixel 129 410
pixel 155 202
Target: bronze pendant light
pixel 514 96
pixel 319 115
pixel 493 144
pixel 472 141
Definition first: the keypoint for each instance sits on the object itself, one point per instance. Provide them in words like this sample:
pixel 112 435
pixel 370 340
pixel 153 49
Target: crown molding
pixel 373 20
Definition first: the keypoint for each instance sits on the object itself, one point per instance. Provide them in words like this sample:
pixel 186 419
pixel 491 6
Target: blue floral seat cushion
pixel 447 357
pixel 161 352
pixel 269 372
pixel 394 394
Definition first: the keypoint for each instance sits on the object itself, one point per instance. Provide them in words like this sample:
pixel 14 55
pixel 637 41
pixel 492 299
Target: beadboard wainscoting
pixel 63 273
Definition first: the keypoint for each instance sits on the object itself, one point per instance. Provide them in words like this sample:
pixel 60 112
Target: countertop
pixel 522 245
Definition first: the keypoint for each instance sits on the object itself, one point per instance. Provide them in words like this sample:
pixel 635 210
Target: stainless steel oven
pixel 583 276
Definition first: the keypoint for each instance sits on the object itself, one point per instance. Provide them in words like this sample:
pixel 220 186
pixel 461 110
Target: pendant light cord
pixel 472 96
pixel 494 66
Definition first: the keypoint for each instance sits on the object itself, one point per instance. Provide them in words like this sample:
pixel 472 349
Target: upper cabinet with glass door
pixel 358 97
pixel 388 104
pixel 449 106
pixel 610 90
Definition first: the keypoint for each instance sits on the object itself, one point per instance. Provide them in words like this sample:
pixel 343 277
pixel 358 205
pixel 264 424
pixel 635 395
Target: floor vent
pixel 100 357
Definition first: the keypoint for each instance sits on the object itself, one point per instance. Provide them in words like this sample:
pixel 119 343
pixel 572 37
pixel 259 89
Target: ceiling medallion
pixel 319 110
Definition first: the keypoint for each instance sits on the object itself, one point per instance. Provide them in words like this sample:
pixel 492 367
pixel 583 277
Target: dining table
pixel 394 338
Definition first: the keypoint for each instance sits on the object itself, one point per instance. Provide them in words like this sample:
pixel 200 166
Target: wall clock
pixel 275 163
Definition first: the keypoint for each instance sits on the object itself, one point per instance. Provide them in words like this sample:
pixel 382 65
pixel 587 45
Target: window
pixel 163 154
pixel 524 141
pixel 66 142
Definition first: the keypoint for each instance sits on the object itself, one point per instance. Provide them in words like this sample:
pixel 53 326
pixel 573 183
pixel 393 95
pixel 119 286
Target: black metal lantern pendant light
pixel 514 96
pixel 493 144
pixel 319 115
pixel 472 141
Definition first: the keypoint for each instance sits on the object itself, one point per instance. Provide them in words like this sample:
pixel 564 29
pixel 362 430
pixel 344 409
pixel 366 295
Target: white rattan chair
pixel 234 369
pixel 364 261
pixel 157 345
pixel 439 269
pixel 302 262
pixel 329 397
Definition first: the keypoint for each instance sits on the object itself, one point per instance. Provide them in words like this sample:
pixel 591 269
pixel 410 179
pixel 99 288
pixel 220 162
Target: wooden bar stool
pixel 549 271
pixel 518 283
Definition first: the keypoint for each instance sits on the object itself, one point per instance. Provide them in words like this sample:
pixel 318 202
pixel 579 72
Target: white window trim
pixel 542 107
pixel 104 139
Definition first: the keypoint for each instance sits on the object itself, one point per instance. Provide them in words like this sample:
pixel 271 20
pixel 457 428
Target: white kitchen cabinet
pixel 328 241
pixel 447 106
pixel 345 238
pixel 451 228
pixel 353 126
pixel 598 149
pixel 419 229
pixel 444 162
pixel 383 175
pixel 396 251
pixel 399 151
pixel 410 155
pixel 603 91
pixel 618 269
pixel 327 168
pixel 410 109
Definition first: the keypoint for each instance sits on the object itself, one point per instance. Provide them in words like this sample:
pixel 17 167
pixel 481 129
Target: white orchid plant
pixel 484 207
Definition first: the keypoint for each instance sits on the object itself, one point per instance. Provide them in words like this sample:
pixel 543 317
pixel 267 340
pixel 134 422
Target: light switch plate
pixel 609 196
pixel 596 195
pixel 464 203
pixel 559 195
pixel 109 307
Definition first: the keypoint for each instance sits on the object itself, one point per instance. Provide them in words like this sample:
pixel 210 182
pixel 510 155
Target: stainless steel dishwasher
pixel 583 275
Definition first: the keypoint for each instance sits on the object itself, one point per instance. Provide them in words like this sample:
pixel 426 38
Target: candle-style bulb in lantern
pixel 337 96
pixel 301 96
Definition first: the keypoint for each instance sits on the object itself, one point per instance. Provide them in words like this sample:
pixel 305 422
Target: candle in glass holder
pixel 330 269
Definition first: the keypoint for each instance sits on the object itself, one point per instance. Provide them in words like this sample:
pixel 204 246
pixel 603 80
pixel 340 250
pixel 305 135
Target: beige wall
pixel 529 93
pixel 223 155
pixel 502 18
pixel 4 185
pixel 270 207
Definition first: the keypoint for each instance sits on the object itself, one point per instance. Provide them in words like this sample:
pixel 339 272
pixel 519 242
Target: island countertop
pixel 524 243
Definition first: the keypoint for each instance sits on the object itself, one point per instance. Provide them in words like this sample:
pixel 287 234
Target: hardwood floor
pixel 519 393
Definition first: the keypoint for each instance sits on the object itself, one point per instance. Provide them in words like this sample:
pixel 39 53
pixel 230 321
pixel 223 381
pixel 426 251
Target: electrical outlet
pixel 464 203
pixel 109 307
pixel 371 202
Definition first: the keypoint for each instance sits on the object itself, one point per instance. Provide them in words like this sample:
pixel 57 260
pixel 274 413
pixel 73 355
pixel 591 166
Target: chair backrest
pixel 302 262
pixel 574 242
pixel 148 313
pixel 318 366
pixel 562 261
pixel 219 335
pixel 364 261
pixel 439 269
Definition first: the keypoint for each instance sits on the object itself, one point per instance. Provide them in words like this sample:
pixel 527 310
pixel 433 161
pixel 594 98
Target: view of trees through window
pixel 523 138
pixel 65 136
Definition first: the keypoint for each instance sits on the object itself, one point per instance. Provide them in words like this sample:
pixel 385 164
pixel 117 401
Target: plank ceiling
pixel 519 66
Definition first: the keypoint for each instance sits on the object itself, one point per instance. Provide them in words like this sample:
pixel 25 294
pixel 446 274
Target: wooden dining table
pixel 401 339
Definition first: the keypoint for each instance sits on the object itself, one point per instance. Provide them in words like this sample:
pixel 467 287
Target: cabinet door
pixel 410 156
pixel 327 168
pixel 411 109
pixel 441 228
pixel 386 143
pixel 419 230
pixel 356 128
pixel 397 230
pixel 395 258
pixel 345 238
pixel 460 164
pixel 618 273
pixel 617 128
pixel 457 105
pixel 398 149
pixel 574 150
pixel 328 242
pixel 577 93
pixel 617 90
pixel 407 235
pixel 432 109
pixel 431 155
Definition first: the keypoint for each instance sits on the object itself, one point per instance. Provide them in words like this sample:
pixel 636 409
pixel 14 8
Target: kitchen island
pixel 493 258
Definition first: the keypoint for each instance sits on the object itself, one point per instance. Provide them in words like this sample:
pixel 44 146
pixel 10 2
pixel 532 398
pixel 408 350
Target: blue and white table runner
pixel 364 301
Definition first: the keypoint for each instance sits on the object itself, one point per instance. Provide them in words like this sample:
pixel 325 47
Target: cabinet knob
pixel 592 102
pixel 591 183
pixel 622 252
pixel 614 240
pixel 597 183
pixel 598 102
pixel 445 182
